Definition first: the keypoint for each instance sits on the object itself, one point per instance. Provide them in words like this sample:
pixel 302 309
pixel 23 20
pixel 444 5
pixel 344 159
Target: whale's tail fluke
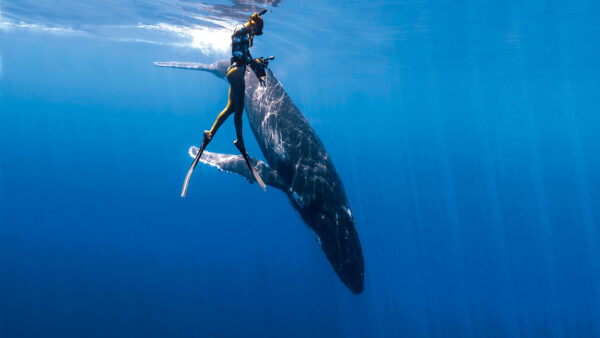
pixel 218 68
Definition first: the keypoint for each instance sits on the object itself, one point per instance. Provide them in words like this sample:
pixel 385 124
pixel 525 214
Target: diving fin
pixel 242 149
pixel 205 141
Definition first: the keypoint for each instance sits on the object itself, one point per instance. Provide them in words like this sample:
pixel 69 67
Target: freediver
pixel 241 41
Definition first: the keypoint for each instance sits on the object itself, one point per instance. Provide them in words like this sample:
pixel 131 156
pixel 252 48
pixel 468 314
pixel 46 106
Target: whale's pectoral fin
pixel 218 68
pixel 237 164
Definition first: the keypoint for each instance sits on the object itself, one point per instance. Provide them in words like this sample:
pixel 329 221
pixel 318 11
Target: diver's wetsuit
pixel 240 50
pixel 241 40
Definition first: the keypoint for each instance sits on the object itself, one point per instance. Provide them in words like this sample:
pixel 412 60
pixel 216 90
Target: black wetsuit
pixel 240 56
pixel 240 47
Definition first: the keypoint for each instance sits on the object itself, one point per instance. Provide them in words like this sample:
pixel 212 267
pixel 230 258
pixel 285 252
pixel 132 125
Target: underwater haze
pixel 466 134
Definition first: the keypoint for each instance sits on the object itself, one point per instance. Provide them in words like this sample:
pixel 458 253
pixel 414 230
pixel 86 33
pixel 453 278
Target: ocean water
pixel 466 134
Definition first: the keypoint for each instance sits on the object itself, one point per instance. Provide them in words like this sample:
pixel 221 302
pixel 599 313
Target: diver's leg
pixel 238 89
pixel 222 116
pixel 229 109
pixel 208 135
pixel 233 96
pixel 237 119
pixel 233 76
pixel 239 143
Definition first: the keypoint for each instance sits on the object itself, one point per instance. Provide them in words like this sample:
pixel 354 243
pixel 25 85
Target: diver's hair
pixel 258 22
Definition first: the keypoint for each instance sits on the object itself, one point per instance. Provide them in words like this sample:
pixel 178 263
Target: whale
pixel 298 164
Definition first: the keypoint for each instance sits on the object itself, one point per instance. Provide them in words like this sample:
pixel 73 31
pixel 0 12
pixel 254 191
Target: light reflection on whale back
pixel 294 150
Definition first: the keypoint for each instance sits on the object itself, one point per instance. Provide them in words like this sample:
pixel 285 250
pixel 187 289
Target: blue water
pixel 466 135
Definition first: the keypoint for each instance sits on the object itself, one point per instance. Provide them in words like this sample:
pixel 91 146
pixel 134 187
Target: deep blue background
pixel 466 134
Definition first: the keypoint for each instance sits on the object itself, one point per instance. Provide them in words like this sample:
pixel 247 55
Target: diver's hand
pixel 259 66
pixel 264 61
pixel 259 62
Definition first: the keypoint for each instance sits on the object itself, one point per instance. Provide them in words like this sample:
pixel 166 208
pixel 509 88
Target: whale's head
pixel 340 243
pixel 327 212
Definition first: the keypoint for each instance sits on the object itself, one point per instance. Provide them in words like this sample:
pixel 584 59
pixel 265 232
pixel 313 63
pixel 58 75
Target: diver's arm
pixel 259 67
pixel 248 55
pixel 249 59
pixel 255 65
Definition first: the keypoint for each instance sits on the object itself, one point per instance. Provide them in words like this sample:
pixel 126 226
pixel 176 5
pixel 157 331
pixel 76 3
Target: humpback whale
pixel 297 164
